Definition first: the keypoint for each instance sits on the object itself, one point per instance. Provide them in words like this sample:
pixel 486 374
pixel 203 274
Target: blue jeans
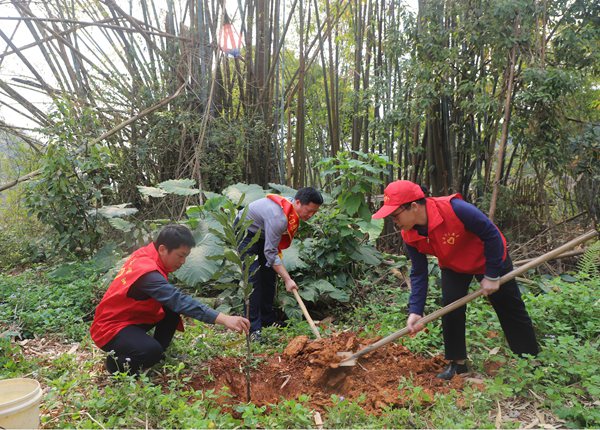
pixel 263 280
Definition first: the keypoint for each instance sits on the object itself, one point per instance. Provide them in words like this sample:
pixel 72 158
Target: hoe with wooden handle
pixel 349 359
pixel 311 323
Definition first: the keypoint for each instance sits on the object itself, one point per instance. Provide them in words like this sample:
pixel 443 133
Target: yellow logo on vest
pixel 450 238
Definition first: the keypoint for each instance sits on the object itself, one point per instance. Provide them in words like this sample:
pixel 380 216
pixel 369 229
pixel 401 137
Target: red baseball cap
pixel 396 194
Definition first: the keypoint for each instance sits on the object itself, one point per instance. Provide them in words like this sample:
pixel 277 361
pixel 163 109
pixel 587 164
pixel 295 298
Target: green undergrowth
pixel 57 304
pixel 41 301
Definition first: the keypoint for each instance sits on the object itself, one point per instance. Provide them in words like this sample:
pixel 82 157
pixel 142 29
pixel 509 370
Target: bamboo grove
pixel 496 99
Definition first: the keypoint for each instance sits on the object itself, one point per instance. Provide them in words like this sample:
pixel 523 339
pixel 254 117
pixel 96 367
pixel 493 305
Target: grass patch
pixel 562 381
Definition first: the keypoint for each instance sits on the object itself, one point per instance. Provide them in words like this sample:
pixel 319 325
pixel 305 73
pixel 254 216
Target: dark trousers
pixel 133 350
pixel 263 279
pixel 507 303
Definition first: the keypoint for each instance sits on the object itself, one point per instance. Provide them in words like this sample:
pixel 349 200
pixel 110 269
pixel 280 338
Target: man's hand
pixel 290 285
pixel 239 324
pixel 413 323
pixel 489 287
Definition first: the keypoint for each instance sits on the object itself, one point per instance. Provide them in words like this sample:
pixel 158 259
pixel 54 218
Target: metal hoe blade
pixel 346 359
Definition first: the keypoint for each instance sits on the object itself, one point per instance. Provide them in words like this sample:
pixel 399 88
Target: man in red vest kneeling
pixel 277 218
pixel 141 298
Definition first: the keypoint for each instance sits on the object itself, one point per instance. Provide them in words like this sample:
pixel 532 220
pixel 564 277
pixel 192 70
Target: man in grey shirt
pixel 277 218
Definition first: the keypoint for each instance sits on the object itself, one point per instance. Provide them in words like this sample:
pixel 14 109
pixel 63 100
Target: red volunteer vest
pixel 117 311
pixel 455 247
pixel 292 217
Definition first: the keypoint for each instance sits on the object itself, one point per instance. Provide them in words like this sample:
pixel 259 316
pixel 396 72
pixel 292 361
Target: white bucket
pixel 20 403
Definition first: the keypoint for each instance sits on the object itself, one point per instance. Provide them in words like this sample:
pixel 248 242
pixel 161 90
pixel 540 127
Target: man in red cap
pixel 467 244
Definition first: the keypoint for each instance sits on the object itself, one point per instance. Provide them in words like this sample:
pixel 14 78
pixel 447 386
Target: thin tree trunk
pixel 505 124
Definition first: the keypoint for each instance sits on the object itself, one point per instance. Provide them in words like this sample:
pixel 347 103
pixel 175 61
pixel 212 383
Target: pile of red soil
pixel 310 367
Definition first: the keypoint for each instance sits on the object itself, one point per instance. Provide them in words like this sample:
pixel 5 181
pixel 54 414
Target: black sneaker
pixel 453 369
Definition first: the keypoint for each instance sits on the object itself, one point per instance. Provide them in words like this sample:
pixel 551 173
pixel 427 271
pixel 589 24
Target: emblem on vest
pixel 449 238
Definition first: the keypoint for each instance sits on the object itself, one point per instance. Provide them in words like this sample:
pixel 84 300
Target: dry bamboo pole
pixel 77 52
pixel 506 121
pixel 113 5
pixel 568 254
pixel 71 83
pixel 27 63
pixel 109 133
pixel 16 132
pixel 11 38
pixel 30 107
pixel 81 24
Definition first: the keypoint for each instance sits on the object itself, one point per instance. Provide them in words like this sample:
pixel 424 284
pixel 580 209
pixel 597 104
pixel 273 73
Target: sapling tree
pixel 235 258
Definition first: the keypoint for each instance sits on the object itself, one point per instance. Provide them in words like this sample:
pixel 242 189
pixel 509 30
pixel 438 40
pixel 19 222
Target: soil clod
pixel 385 377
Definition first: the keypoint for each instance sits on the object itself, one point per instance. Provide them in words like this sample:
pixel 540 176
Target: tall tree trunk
pixel 357 114
pixel 505 123
pixel 300 156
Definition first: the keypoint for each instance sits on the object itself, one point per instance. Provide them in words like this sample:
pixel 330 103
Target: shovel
pixel 349 359
pixel 311 323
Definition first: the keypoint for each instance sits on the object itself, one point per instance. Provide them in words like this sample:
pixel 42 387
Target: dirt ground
pixel 309 367
pixel 378 377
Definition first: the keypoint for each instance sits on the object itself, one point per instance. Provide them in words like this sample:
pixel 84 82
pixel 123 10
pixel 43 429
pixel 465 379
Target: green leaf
pixel 215 203
pixel 367 254
pixel 193 211
pixel 232 257
pixel 180 187
pixel 113 211
pixel 351 203
pixel 121 224
pixel 373 227
pixel 308 293
pixel 364 212
pixel 198 268
pixel 568 278
pixel 106 257
pixel 210 194
pixel 323 286
pixel 289 305
pixel 284 190
pixel 151 191
pixel 340 295
pixel 291 258
pixel 251 193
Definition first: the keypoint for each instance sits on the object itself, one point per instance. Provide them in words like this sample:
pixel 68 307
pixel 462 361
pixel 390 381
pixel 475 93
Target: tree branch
pixel 101 138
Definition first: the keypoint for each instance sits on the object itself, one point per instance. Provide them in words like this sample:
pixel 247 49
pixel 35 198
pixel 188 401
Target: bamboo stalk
pixel 25 61
pixel 568 254
pixel 43 119
pixel 109 133
pixel 81 24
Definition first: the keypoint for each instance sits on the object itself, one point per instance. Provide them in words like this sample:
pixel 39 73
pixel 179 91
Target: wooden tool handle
pixel 466 299
pixel 311 323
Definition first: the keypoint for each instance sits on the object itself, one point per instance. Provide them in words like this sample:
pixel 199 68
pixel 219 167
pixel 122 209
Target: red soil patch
pixel 309 367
